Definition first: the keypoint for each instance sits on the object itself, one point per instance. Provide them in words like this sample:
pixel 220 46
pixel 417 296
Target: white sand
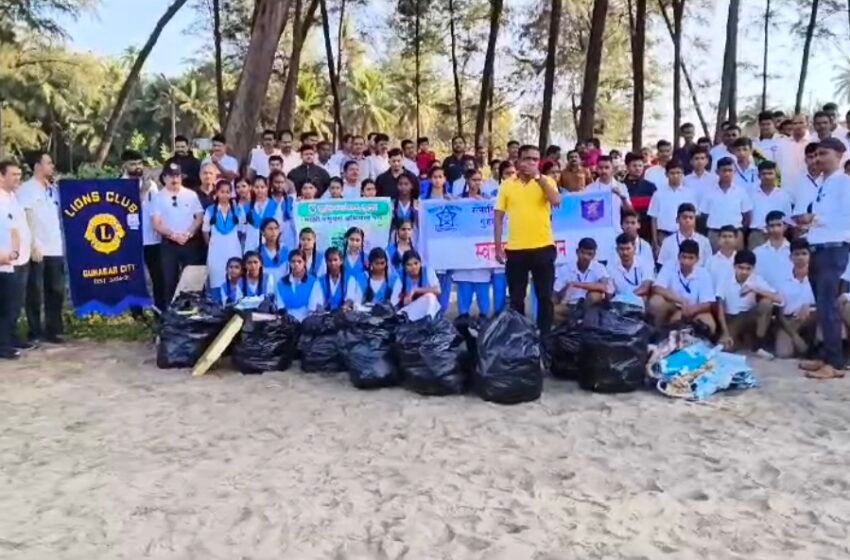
pixel 105 457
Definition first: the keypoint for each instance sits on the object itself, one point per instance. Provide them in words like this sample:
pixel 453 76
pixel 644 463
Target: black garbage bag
pixel 469 327
pixel 265 343
pixel 366 342
pixel 509 355
pixel 429 353
pixel 563 345
pixel 187 328
pixel 614 352
pixel 319 344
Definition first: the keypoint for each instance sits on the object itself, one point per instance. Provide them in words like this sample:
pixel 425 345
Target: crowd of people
pixel 746 240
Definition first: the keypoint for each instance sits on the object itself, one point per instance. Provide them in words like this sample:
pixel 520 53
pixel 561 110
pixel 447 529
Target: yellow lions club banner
pixel 103 238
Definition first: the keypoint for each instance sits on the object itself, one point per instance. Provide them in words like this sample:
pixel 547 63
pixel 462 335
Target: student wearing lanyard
pixel 581 283
pixel 804 189
pixel 665 202
pixel 766 198
pixel 643 250
pixel 683 292
pixel 746 171
pixel 686 218
pixel 726 204
pixel 630 280
pixel 797 318
pixel 829 237
pixel 47 263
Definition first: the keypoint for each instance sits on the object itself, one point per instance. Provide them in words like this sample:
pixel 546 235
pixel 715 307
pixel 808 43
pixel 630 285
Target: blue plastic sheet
pixel 699 370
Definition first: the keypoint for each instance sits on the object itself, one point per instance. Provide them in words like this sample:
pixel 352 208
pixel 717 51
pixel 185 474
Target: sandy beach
pixel 105 457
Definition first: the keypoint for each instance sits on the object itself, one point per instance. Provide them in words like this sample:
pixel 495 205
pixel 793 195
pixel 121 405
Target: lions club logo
pixel 105 233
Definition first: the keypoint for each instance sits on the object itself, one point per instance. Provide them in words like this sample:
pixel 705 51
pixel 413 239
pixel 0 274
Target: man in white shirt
pixel 630 280
pixel 804 188
pixel 746 171
pixel 791 152
pixel 351 179
pixel 133 164
pixel 700 181
pixel 379 161
pixel 259 164
pixel 766 199
pixel 665 203
pixel 324 150
pixel 177 215
pixel 17 252
pixel 46 279
pixel 829 237
pixel 686 218
pixel 773 257
pixel 797 318
pixel 291 158
pixel 580 282
pixel 722 263
pixel 408 149
pixel 344 153
pixel 607 183
pixel 683 291
pixel 228 166
pixel 657 174
pixel 837 130
pixel 768 140
pixel 745 304
pixel 726 204
pixel 725 149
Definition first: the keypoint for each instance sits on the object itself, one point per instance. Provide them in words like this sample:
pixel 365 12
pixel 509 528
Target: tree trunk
pixel 549 77
pixel 726 104
pixel 458 94
pixel 686 74
pixel 219 72
pixel 329 52
pixel 764 56
pixel 285 120
pixel 339 38
pixel 268 23
pixel 678 14
pixel 807 46
pixel 489 64
pixel 131 80
pixel 637 37
pixel 591 69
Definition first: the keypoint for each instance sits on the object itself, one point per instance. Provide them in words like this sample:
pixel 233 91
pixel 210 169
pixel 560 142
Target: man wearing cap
pixel 176 216
pixel 133 164
pixel 829 237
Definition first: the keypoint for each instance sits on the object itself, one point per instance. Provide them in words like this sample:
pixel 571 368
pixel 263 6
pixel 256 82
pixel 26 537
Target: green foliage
pixel 100 328
pixel 89 171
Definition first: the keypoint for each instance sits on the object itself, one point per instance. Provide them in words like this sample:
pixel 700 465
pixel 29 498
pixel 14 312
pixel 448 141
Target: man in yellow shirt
pixel 528 199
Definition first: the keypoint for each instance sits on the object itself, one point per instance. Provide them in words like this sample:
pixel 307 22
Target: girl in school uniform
pixel 280 192
pixel 256 281
pixel 260 208
pixel 378 285
pixel 473 283
pixel 230 291
pixel 331 283
pixel 243 200
pixel 354 257
pixel 420 289
pixel 438 191
pixel 312 257
pixel 298 292
pixel 404 207
pixel 273 255
pixel 221 232
pixel 402 243
pixel 368 189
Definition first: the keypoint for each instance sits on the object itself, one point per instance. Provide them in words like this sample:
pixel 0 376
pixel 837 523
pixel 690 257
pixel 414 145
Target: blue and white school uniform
pixel 426 305
pixel 367 291
pixel 404 211
pixel 333 292
pixel 229 293
pixel 471 283
pixel 275 262
pixel 445 276
pixel 354 266
pixel 288 235
pixel 298 298
pixel 224 241
pixel 316 265
pixel 393 253
pixel 254 214
pixel 261 287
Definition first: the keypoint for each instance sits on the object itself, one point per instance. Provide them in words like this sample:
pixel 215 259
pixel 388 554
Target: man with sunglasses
pixel 177 215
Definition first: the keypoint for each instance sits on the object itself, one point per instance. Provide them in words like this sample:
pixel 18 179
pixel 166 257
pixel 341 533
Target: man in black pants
pixel 177 215
pixel 528 199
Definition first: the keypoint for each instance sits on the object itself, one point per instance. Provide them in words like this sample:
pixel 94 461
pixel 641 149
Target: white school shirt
pixel 657 175
pixel 730 292
pixel 791 156
pixel 290 161
pixel 177 210
pixel 796 294
pixel 700 185
pixel 624 281
pixel 669 251
pixel 769 147
pixel 376 165
pixel 10 206
pixel 717 153
pixel 831 208
pixel 719 266
pixel 569 272
pixel 802 190
pixel 664 205
pixel 355 294
pixel 763 203
pixel 746 177
pixel 43 202
pixel 598 186
pixel 726 208
pixel 774 263
pixel 260 161
pixel 227 161
pixel 695 288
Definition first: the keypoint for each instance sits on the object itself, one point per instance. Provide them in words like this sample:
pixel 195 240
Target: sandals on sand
pixel 826 372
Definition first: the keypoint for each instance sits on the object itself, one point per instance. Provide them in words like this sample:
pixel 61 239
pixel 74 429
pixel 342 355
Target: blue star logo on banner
pixel 592 210
pixel 446 216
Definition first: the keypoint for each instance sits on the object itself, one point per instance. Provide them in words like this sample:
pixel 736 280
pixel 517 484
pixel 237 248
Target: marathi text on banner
pixel 458 234
pixel 101 219
pixel 331 218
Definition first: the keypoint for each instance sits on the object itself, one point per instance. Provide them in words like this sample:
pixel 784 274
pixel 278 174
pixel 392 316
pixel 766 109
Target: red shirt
pixel 424 160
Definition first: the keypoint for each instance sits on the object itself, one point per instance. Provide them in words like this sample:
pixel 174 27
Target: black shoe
pixel 24 345
pixel 9 354
pixel 54 339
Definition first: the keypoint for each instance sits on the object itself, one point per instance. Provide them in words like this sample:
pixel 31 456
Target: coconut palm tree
pixel 842 82
pixel 370 103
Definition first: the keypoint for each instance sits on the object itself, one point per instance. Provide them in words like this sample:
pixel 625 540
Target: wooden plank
pixel 193 279
pixel 219 345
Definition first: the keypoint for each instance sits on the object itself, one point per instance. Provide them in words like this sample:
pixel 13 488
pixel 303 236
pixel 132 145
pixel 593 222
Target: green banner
pixel 330 219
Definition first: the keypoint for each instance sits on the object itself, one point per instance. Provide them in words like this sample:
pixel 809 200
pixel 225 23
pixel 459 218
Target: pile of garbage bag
pixel 430 355
pixel 366 341
pixel 319 344
pixel 510 367
pixel 686 367
pixel 187 328
pixel 267 342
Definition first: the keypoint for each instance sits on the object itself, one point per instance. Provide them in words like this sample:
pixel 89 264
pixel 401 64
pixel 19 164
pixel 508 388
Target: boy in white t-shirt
pixel 583 282
pixel 683 291
pixel 630 280
pixel 798 318
pixel 745 303
pixel 630 222
pixel 686 217
pixel 722 263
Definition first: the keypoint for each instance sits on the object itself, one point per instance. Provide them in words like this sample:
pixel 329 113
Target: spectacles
pixel 174 201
